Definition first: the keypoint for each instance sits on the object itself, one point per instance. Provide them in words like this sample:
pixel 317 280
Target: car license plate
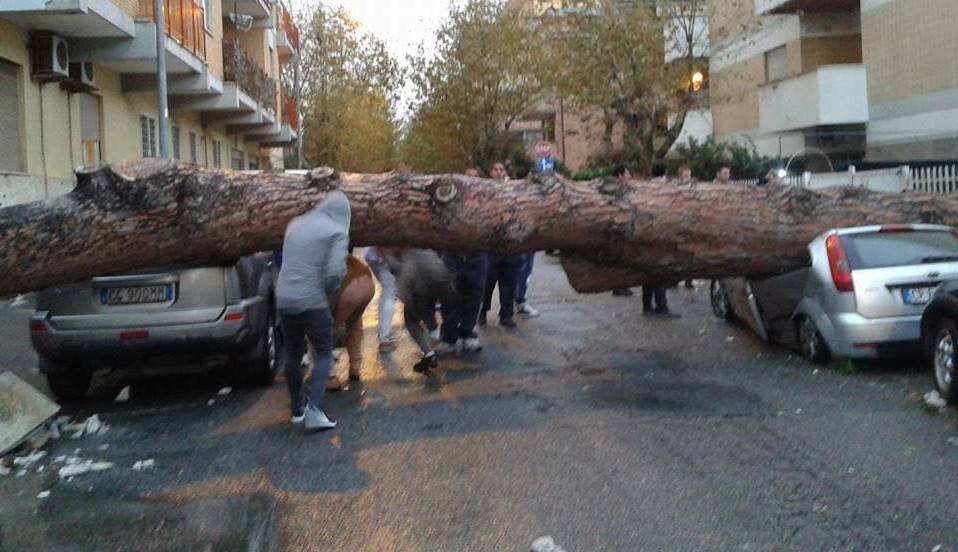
pixel 136 295
pixel 916 296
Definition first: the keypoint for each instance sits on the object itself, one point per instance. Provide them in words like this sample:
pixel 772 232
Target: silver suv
pixel 861 297
pixel 160 318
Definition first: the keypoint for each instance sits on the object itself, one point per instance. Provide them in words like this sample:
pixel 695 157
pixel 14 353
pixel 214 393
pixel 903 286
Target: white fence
pixel 938 180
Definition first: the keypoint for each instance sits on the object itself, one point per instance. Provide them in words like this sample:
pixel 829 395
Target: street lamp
pixel 697 79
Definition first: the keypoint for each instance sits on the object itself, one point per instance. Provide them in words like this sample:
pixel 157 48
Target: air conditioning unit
pixel 51 57
pixel 81 77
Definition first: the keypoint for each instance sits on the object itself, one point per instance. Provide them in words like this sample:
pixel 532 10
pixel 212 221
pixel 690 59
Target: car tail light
pixel 134 335
pixel 838 264
pixel 895 229
pixel 234 317
pixel 38 328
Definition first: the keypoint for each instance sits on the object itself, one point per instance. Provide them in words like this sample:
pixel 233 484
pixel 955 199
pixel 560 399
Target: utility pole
pixel 162 100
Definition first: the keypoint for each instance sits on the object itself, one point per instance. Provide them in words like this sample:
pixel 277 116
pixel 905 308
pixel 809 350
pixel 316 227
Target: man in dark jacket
pixel 421 280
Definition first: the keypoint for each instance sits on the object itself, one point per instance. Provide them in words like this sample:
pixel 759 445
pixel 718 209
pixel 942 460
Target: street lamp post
pixel 162 100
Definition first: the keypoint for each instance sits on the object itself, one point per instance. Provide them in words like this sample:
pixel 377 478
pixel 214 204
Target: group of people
pixel 323 290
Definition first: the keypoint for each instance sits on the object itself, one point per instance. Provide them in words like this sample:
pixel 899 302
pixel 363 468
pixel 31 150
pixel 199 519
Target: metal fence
pixel 937 180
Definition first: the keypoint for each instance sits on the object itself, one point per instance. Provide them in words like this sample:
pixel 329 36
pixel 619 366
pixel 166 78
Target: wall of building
pixel 912 84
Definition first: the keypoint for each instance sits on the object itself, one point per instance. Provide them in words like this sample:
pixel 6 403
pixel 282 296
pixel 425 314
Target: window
pixel 237 159
pixel 217 154
pixel 193 158
pixel 208 15
pixel 203 158
pixel 253 164
pixel 776 64
pixel 175 132
pixel 90 129
pixel 11 147
pixel 148 135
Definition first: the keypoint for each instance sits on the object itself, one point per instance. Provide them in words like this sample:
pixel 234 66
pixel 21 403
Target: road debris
pixel 546 544
pixel 210 402
pixel 30 459
pixel 952 441
pixel 729 339
pixel 123 395
pixel 43 494
pixel 224 391
pixel 90 426
pixel 934 400
pixel 77 466
pixel 23 413
pixel 141 465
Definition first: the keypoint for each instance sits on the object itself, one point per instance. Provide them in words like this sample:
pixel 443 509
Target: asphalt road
pixel 593 424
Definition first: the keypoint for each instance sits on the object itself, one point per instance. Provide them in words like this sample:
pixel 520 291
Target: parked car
pixel 861 296
pixel 161 319
pixel 939 334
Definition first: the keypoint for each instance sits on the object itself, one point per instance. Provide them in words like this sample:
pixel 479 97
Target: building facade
pixel 850 79
pixel 78 86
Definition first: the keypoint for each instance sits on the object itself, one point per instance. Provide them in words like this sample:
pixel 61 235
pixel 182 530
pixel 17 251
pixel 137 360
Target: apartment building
pixel 78 87
pixel 578 133
pixel 850 79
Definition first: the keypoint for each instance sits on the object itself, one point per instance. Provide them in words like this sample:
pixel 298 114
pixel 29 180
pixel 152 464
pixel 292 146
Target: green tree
pixel 349 86
pixel 488 69
pixel 612 62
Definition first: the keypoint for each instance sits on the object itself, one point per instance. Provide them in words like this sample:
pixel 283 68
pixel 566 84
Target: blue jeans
pixel 525 273
pixel 317 326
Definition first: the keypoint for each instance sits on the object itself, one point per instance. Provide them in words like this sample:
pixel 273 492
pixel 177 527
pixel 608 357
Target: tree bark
pixel 154 212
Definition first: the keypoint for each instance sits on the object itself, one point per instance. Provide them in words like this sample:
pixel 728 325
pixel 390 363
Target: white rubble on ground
pixel 546 544
pixel 91 426
pixel 141 465
pixel 934 400
pixel 43 494
pixel 952 441
pixel 4 470
pixel 30 459
pixel 224 391
pixel 77 466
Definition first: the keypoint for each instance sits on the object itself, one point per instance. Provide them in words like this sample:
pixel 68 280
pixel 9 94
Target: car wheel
pixel 68 382
pixel 810 339
pixel 721 306
pixel 260 366
pixel 944 361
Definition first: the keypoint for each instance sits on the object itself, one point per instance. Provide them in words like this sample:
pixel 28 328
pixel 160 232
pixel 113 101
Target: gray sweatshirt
pixel 314 256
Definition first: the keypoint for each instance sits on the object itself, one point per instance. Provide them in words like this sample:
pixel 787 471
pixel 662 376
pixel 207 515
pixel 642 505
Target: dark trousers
pixel 460 311
pixel 654 292
pixel 317 326
pixel 525 272
pixel 504 271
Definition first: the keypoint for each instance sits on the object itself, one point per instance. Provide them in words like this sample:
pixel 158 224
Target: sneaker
pixel 444 348
pixel 471 344
pixel 434 335
pixel 316 420
pixel 428 362
pixel 297 418
pixel 527 310
pixel 508 322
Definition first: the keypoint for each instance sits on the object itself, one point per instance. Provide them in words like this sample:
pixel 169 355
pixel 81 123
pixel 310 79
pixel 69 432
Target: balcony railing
pixel 185 23
pixel 292 32
pixel 240 68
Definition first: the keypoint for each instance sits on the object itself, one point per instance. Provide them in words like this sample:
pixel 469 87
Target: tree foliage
pixel 612 62
pixel 349 86
pixel 706 157
pixel 488 69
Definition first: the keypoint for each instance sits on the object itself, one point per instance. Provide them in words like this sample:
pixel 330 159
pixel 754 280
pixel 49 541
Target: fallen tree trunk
pixel 155 212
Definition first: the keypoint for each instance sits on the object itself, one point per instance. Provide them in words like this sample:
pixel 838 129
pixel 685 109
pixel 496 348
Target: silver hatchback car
pixel 861 297
pixel 158 320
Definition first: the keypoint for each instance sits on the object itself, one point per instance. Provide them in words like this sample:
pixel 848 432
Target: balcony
pixel 764 7
pixel 287 36
pixel 240 68
pixel 829 95
pixel 70 18
pixel 257 9
pixel 185 23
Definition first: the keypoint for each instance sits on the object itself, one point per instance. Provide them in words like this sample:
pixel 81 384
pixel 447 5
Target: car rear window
pixel 886 249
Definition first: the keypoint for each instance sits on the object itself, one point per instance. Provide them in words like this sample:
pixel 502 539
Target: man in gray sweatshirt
pixel 314 266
